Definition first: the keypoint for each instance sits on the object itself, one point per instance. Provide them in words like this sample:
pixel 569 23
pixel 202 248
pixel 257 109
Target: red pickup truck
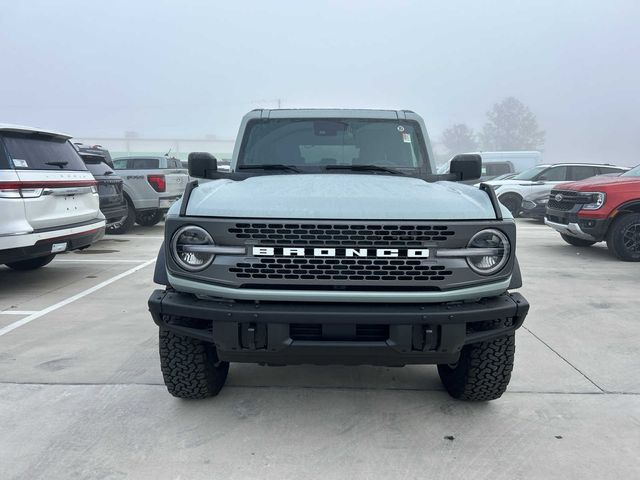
pixel 599 209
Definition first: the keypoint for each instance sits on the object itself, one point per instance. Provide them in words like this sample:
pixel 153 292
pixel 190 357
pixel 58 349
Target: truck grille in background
pixel 345 269
pixel 311 332
pixel 569 199
pixel 351 235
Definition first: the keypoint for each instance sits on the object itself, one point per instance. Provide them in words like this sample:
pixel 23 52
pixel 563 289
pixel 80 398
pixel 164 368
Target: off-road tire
pixel 190 367
pixel 482 372
pixel 512 202
pixel 149 218
pixel 576 242
pixel 32 263
pixel 621 235
pixel 126 223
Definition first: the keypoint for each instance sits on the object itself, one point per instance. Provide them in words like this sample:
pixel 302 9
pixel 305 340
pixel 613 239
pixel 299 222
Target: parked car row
pixel 57 196
pixel 525 194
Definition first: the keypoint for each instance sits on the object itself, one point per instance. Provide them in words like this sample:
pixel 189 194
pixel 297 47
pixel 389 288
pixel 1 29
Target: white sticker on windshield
pixel 20 163
pixel 406 138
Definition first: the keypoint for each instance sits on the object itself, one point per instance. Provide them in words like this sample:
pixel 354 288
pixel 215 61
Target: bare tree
pixel 459 138
pixel 511 125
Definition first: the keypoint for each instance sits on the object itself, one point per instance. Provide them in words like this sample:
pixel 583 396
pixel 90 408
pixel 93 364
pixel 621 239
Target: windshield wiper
pixel 58 163
pixel 269 166
pixel 364 168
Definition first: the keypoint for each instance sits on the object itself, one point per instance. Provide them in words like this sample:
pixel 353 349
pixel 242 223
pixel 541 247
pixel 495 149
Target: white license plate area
pixel 58 247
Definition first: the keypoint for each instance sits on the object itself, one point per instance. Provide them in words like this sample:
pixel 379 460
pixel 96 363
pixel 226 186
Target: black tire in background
pixel 149 218
pixel 576 242
pixel 482 372
pixel 623 237
pixel 513 203
pixel 190 368
pixel 125 224
pixel 32 263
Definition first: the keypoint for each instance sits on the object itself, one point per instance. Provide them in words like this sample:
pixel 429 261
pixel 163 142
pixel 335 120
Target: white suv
pixel 538 181
pixel 48 199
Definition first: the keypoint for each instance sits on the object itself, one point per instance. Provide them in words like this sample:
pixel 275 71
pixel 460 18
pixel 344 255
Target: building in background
pixel 132 144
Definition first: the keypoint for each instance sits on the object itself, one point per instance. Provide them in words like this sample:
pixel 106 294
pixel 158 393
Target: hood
pixel 339 196
pixel 599 182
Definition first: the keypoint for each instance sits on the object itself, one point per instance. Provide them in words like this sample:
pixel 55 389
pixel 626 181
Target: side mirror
pixel 202 165
pixel 467 166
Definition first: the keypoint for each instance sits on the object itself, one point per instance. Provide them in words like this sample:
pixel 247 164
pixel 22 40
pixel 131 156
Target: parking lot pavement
pixel 81 395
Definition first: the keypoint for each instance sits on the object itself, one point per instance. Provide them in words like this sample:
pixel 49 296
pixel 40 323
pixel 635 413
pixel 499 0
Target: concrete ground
pixel 81 395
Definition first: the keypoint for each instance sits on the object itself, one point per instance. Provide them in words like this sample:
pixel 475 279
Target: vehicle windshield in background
pixel 634 172
pixel 41 152
pixel 318 144
pixel 529 174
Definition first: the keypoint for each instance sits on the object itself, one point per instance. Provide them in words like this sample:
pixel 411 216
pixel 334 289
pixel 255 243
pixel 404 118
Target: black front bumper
pixel 285 333
pixel 593 229
pixel 535 210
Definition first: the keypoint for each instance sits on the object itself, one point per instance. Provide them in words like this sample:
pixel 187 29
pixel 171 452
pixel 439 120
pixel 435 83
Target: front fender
pixel 160 272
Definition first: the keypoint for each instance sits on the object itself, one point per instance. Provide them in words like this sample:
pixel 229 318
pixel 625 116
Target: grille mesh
pixel 329 269
pixel 569 200
pixel 351 235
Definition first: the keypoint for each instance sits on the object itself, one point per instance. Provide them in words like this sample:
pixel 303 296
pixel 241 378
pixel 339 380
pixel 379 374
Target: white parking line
pixel 18 312
pixel 98 260
pixel 67 301
pixel 132 237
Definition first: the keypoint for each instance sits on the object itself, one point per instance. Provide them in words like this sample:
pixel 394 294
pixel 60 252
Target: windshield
pixel 634 172
pixel 315 144
pixel 529 174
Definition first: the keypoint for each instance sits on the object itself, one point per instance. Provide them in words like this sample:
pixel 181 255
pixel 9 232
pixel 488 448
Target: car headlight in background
pixel 597 200
pixel 487 252
pixel 187 248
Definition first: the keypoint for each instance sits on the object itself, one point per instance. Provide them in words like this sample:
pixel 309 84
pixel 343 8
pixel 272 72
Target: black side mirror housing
pixel 467 166
pixel 202 165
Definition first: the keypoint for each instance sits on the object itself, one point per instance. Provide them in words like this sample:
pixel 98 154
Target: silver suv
pixel 48 199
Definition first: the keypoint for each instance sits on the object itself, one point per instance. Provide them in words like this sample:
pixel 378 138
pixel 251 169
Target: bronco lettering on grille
pixel 340 252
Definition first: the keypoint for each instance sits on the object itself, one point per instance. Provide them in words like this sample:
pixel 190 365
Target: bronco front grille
pixel 352 235
pixel 568 200
pixel 345 269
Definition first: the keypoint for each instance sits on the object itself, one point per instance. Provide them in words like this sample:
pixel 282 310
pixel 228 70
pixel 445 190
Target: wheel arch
pixel 632 206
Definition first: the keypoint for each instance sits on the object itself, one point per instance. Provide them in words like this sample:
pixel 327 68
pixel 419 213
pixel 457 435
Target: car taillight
pixel 36 189
pixel 158 182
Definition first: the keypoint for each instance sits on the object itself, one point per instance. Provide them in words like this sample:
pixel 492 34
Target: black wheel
pixel 32 263
pixel 482 372
pixel 512 202
pixel 190 367
pixel 149 218
pixel 623 238
pixel 576 242
pixel 125 224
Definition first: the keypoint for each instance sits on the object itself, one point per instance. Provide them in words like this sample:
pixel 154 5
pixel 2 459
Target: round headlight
pixel 186 248
pixel 493 251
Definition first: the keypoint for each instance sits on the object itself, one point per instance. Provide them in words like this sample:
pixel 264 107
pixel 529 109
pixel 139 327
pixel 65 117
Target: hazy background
pixel 190 69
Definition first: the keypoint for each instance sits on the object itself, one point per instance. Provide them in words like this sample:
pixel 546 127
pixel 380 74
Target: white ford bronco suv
pixel 48 199
pixel 332 241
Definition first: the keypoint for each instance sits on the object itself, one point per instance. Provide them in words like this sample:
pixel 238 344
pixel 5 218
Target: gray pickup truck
pixel 151 186
pixel 333 241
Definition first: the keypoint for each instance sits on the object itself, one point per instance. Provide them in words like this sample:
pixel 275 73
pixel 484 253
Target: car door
pixel 57 189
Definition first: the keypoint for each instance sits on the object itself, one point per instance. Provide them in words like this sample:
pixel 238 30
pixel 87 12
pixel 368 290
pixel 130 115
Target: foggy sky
pixel 194 68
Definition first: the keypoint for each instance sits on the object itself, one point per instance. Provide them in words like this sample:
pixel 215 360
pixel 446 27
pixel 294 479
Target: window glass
pixel 607 170
pixel 634 172
pixel 144 163
pixel 120 163
pixel 317 143
pixel 34 151
pixel 554 174
pixel 529 174
pixel 580 172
